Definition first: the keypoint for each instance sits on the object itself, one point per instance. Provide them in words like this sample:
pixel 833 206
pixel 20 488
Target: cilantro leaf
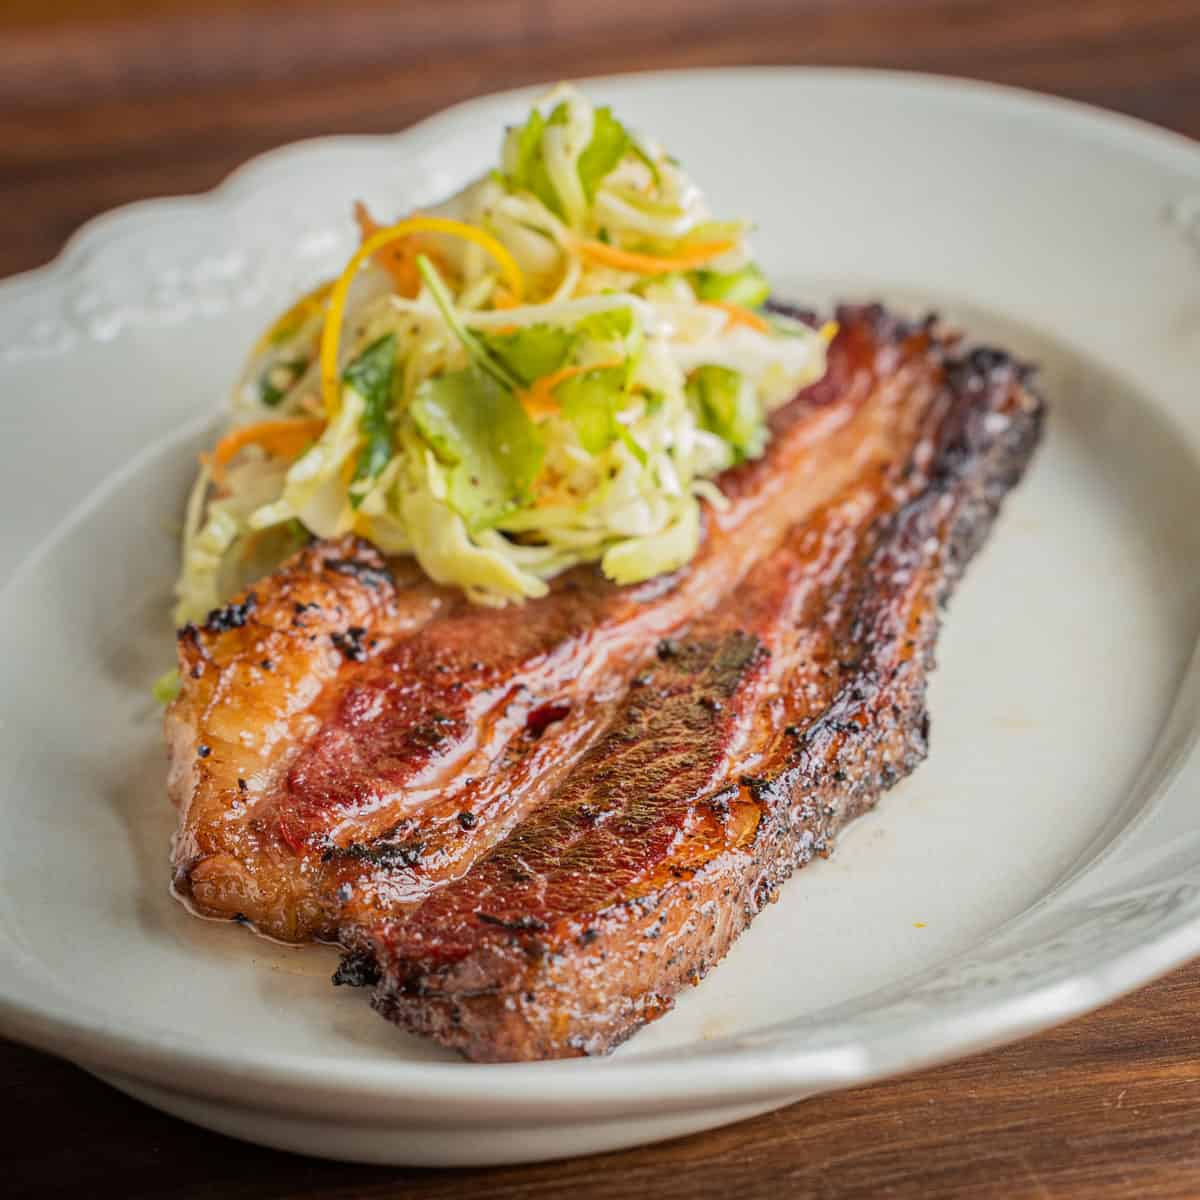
pixel 532 351
pixel 277 380
pixel 747 287
pixel 481 432
pixel 531 174
pixel 728 409
pixel 371 375
pixel 590 402
pixel 609 143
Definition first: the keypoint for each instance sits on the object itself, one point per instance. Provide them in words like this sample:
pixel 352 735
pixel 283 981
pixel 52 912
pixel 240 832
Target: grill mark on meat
pixel 625 810
pixel 662 844
pixel 625 804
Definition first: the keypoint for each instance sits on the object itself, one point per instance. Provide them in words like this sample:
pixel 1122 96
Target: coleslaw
pixel 550 368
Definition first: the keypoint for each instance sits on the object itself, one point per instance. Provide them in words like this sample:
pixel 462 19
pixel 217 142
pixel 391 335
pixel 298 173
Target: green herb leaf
pixel 607 147
pixel 532 351
pixel 747 287
pixel 608 325
pixel 529 143
pixel 277 380
pixel 609 143
pixel 166 686
pixel 591 402
pixel 479 429
pixel 531 174
pixel 728 409
pixel 371 375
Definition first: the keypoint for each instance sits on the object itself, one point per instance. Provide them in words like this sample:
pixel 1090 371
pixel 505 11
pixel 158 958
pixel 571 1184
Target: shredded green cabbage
pixel 503 443
pixel 166 686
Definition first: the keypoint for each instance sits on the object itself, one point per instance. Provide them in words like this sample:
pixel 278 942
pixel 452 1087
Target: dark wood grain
pixel 106 101
pixel 110 105
pixel 1106 1108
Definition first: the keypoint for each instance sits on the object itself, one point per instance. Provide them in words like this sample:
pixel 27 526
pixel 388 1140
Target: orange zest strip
pixel 284 438
pixel 398 260
pixel 402 230
pixel 739 315
pixel 650 264
pixel 538 400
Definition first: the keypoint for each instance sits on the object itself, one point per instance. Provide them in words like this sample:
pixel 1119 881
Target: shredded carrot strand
pixel 650 264
pixel 538 400
pixel 331 334
pixel 503 298
pixel 739 315
pixel 284 438
pixel 367 225
pixel 398 260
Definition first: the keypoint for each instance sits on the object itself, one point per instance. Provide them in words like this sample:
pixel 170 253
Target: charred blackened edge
pixel 356 969
pixel 230 616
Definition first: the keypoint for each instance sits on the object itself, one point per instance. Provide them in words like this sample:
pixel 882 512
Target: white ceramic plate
pixel 1045 859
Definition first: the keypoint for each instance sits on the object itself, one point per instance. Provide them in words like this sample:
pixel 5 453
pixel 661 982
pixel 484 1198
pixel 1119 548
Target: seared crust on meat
pixel 256 683
pixel 747 745
pixel 530 827
pixel 369 735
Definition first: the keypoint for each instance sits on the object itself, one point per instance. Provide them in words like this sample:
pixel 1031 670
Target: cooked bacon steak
pixel 530 827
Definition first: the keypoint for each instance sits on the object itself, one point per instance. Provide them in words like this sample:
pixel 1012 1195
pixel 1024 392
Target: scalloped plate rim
pixel 86 238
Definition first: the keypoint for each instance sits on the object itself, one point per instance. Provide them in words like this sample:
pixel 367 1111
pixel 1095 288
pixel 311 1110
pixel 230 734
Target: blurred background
pixel 106 101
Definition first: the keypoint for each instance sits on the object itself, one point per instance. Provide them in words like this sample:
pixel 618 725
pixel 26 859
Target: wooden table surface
pixel 106 101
